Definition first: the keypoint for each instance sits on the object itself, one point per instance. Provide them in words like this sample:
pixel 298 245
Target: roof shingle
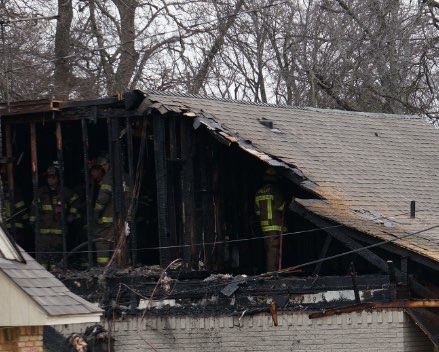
pixel 357 162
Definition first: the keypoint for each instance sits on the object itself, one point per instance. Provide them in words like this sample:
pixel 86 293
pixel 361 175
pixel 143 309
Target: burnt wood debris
pixel 185 237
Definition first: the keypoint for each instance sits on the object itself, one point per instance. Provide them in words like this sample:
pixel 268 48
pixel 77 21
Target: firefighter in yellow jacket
pixel 15 212
pixel 49 240
pixel 17 218
pixel 270 207
pixel 103 214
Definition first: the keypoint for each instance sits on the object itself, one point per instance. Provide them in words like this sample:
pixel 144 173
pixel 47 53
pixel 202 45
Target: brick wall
pixel 386 330
pixel 21 339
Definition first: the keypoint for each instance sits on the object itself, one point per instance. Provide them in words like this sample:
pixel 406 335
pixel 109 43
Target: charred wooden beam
pixel 273 313
pixel 34 168
pixel 30 107
pixel 344 235
pixel 91 113
pixel 133 99
pixel 354 283
pixel 206 197
pixel 10 175
pixel 112 101
pixel 222 252
pixel 188 192
pixel 161 183
pixel 340 235
pixel 60 157
pixel 131 181
pixel 392 279
pixel 404 270
pixel 119 189
pixel 89 210
pixel 323 253
pixel 173 176
pixel 110 138
pixel 393 248
pixel 427 321
pixel 432 303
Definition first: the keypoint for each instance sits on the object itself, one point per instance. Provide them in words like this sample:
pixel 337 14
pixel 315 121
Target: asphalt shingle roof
pixel 44 288
pixel 367 167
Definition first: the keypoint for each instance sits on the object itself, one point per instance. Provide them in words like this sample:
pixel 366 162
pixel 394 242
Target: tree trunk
pixel 129 55
pixel 62 75
pixel 201 75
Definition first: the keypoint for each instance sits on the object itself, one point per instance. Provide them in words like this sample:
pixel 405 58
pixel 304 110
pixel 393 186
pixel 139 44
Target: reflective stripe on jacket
pixel 21 218
pixel 269 206
pixel 47 203
pixel 104 205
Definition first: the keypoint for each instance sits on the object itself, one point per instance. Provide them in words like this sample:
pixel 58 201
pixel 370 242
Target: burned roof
pixel 365 168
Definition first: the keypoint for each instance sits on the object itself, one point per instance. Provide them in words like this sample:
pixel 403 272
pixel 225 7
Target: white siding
pixel 16 307
pixel 19 309
pixel 386 330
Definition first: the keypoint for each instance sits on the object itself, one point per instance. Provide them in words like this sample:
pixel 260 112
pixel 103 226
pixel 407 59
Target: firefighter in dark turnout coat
pixel 103 214
pixel 49 240
pixel 270 207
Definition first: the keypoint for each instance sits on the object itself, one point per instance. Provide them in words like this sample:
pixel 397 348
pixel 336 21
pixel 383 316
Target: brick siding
pixel 21 339
pixel 386 330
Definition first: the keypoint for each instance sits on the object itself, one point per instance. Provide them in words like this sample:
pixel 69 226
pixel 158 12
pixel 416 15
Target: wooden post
pixel 172 178
pixel 89 210
pixel 34 169
pixel 133 230
pixel 392 279
pixel 118 195
pixel 206 195
pixel 187 150
pixel 60 156
pixel 404 270
pixel 323 253
pixel 354 283
pixel 161 183
pixel 10 175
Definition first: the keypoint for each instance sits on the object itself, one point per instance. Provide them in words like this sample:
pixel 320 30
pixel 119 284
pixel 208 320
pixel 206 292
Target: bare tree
pixel 365 55
pixel 63 68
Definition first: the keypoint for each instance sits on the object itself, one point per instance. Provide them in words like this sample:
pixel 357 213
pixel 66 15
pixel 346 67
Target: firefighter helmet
pixel 52 171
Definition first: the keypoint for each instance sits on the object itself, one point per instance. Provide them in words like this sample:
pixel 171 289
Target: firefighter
pixel 270 207
pixel 97 174
pixel 16 217
pixel 48 206
pixel 103 214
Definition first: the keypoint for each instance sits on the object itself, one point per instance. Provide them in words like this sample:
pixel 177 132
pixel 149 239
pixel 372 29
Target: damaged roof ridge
pixel 147 93
pixel 290 171
pixel 150 92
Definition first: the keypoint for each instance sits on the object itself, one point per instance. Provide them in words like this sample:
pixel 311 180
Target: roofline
pixel 270 105
pixel 54 104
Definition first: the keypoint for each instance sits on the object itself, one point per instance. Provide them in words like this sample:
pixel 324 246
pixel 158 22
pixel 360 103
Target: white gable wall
pixel 16 307
pixel 385 330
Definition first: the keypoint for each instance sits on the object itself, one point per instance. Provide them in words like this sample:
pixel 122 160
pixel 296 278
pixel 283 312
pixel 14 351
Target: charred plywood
pixel 173 293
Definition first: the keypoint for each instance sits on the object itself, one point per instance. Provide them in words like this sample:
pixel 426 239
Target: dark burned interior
pixel 192 197
pixel 195 197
